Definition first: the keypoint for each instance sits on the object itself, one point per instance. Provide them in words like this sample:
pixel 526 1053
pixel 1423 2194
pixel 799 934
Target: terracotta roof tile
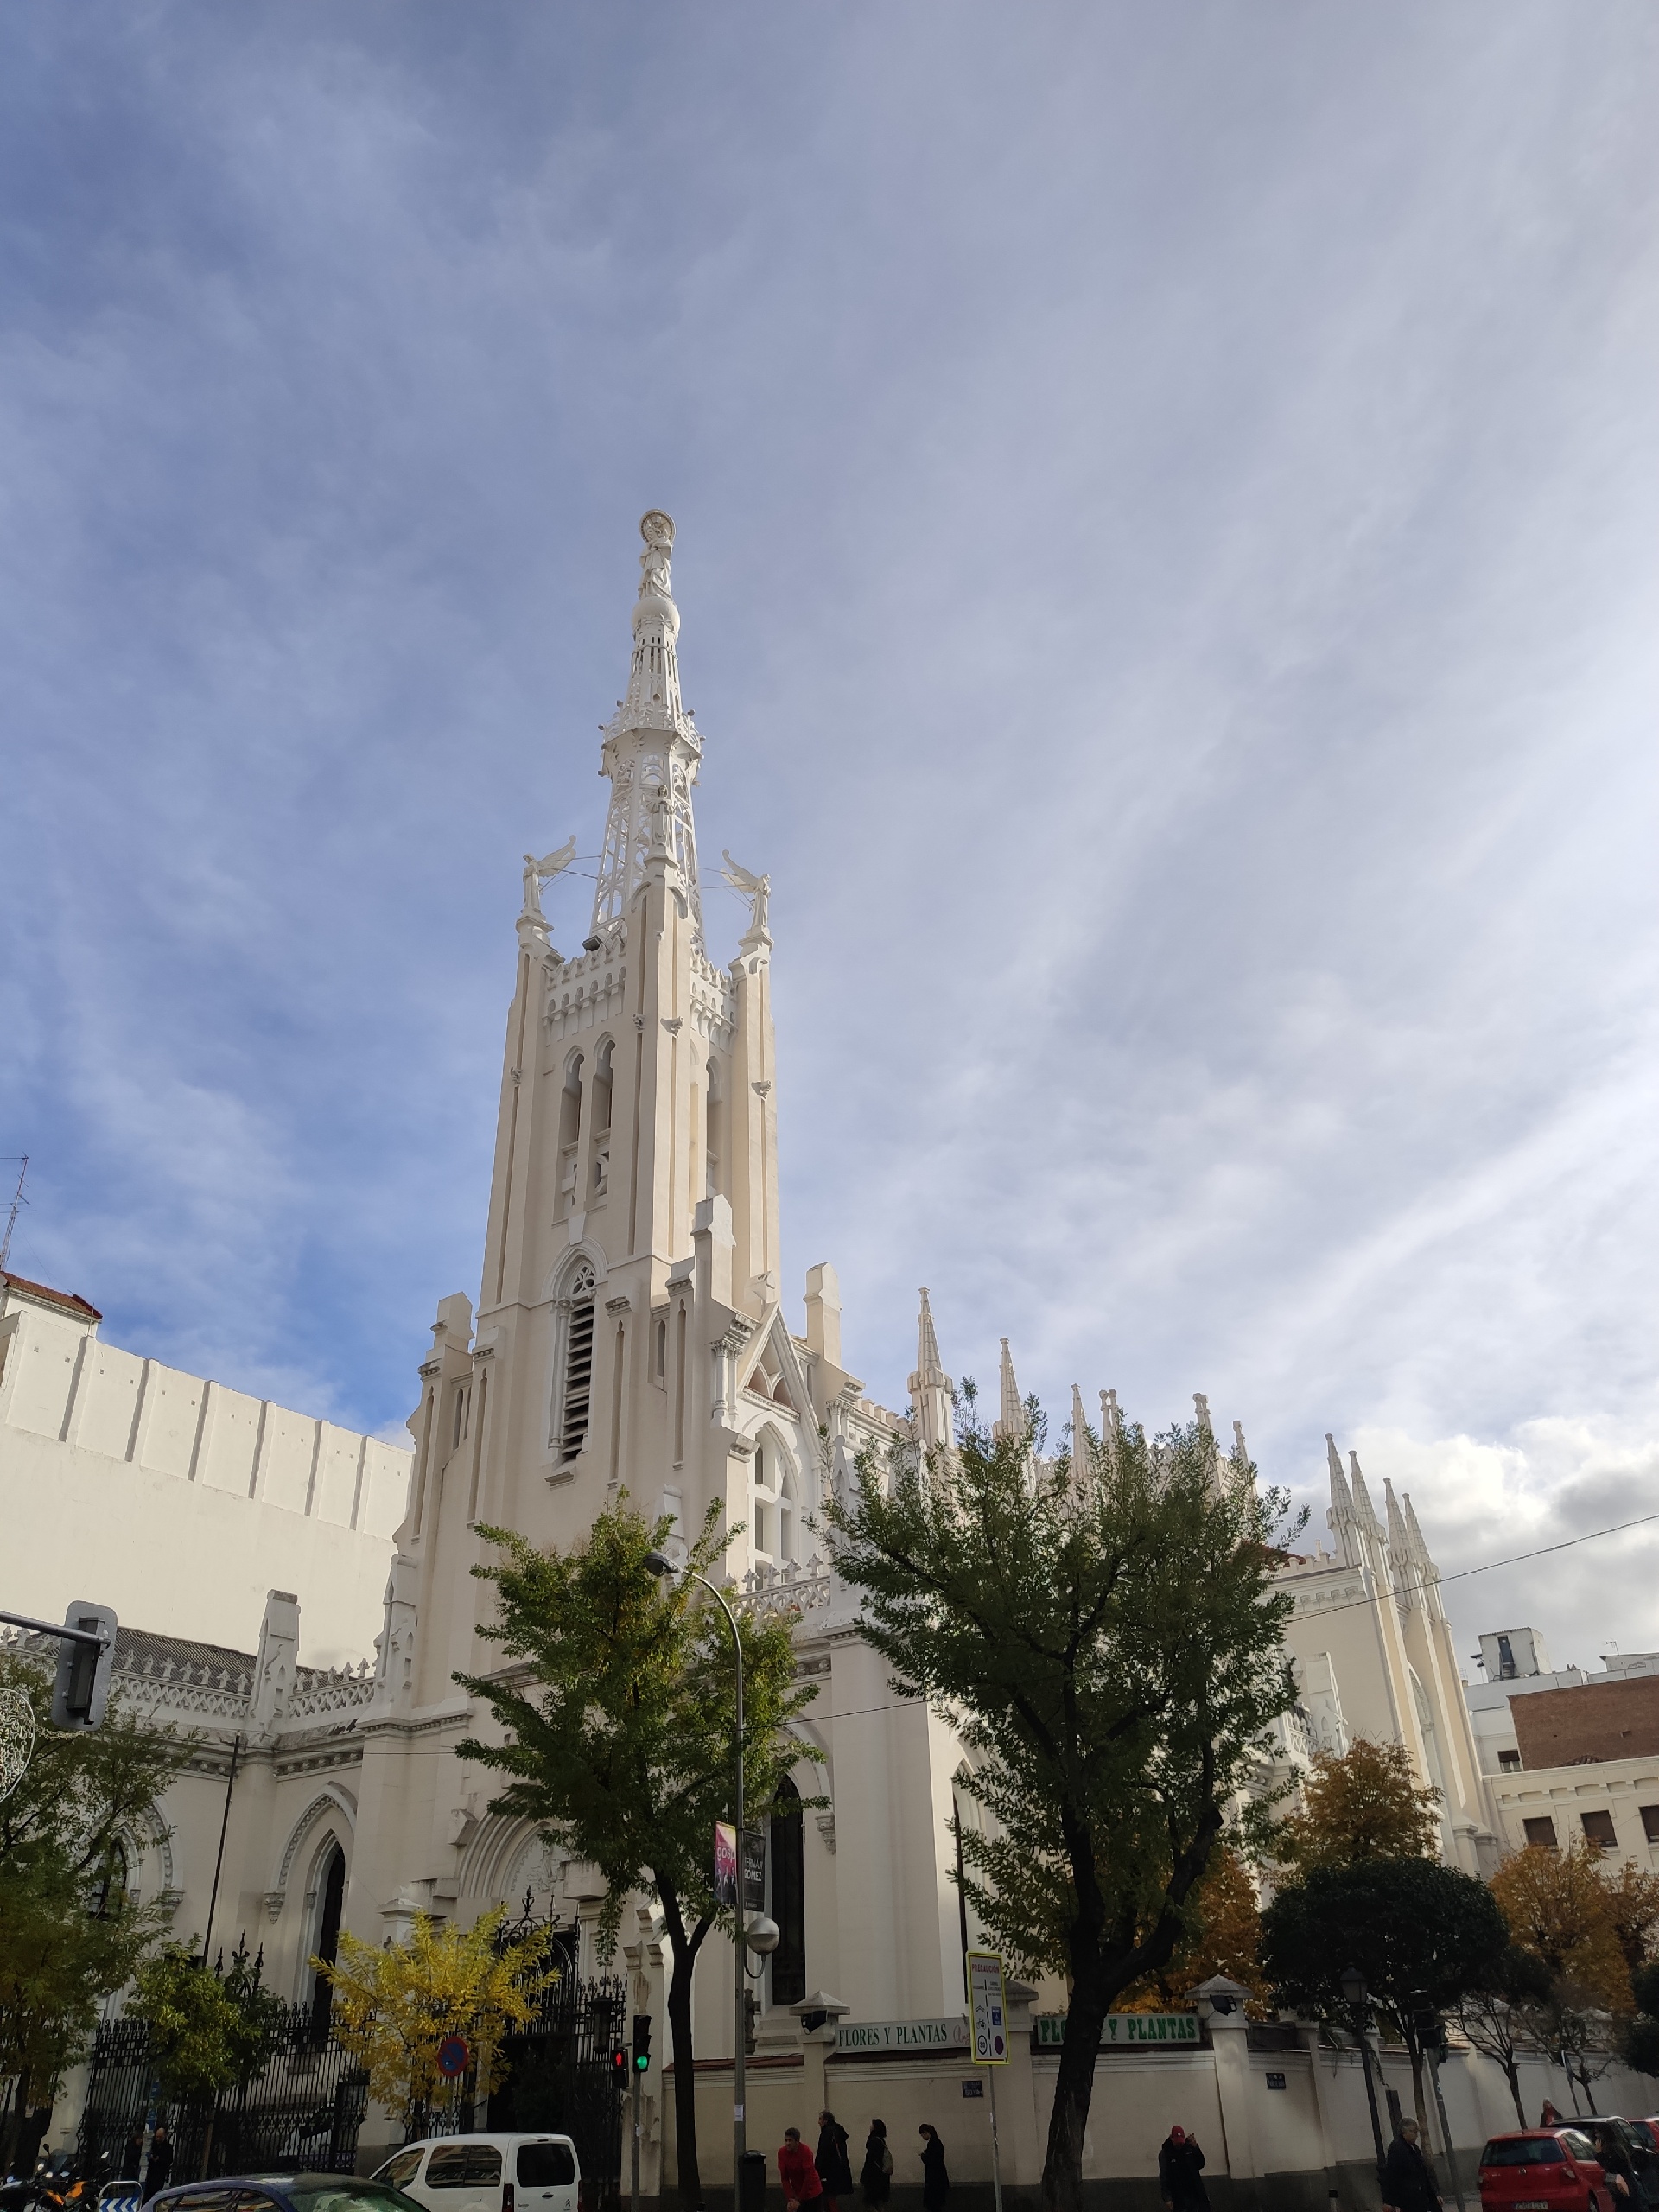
pixel 67 1298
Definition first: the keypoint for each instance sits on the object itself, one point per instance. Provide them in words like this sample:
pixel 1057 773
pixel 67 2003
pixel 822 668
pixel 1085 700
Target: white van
pixel 488 2173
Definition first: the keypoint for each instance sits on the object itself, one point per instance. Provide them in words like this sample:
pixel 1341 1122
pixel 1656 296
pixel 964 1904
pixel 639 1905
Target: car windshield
pixel 351 2196
pixel 1524 2151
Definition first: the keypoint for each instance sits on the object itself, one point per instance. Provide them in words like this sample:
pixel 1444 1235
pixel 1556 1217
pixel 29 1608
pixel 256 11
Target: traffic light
pixel 619 2063
pixel 82 1688
pixel 642 2042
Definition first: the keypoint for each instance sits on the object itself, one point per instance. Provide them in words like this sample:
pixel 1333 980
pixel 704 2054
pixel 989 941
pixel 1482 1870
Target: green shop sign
pixel 901 2035
pixel 1120 2030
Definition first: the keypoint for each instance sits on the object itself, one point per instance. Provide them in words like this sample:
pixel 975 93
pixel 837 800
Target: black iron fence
pixel 301 2113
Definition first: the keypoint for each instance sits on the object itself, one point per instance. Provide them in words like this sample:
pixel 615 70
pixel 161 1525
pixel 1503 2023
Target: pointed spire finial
pixel 651 750
pixel 1011 1415
pixel 1111 1426
pixel 1079 1429
pixel 931 1396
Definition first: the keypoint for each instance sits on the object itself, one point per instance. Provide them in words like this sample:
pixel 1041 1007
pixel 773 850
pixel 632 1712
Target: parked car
pixel 283 2193
pixel 1639 2164
pixel 488 2173
pixel 1545 2170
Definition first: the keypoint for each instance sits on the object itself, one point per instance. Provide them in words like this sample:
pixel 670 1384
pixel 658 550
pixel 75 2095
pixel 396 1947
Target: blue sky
pixel 1168 508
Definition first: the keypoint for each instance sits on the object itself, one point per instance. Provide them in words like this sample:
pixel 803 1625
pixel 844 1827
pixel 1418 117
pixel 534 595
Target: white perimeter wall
pixel 180 1503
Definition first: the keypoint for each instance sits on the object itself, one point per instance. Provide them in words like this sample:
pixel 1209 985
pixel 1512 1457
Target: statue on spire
pixel 756 887
pixel 538 871
pixel 658 531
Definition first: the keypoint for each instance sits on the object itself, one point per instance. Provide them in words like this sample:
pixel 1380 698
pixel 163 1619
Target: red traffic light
pixel 619 2059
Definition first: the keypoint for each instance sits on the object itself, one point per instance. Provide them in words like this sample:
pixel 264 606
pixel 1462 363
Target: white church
pixel 631 1329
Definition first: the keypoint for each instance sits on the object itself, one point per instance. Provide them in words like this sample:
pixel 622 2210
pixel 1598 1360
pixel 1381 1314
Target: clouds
pixel 1166 553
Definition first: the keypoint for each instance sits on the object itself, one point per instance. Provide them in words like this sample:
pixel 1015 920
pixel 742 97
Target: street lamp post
pixel 659 1564
pixel 1352 1984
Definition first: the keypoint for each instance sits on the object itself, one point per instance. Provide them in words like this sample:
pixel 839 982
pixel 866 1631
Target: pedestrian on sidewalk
pixel 830 2159
pixel 1181 2172
pixel 1407 2177
pixel 875 2176
pixel 159 2171
pixel 798 2173
pixel 936 2183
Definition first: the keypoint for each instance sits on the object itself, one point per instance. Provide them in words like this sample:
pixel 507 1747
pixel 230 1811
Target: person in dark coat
pixel 936 2183
pixel 830 2159
pixel 1181 2172
pixel 133 2156
pixel 875 2176
pixel 1407 2177
pixel 159 2171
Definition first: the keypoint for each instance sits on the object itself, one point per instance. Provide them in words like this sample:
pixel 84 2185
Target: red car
pixel 1545 2170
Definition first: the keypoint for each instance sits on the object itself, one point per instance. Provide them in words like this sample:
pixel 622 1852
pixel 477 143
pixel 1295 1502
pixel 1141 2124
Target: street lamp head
pixel 659 1563
pixel 1352 1985
pixel 761 1934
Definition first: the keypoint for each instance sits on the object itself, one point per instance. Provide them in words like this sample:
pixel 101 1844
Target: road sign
pixel 454 2056
pixel 988 2009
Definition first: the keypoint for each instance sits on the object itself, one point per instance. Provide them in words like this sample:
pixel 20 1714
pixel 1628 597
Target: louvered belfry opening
pixel 578 1370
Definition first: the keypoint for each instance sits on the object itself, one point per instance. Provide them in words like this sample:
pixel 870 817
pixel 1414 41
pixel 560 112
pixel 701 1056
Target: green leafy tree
pixel 69 1933
pixel 1366 1803
pixel 209 2031
pixel 1504 2016
pixel 1104 1633
pixel 1424 1936
pixel 621 1743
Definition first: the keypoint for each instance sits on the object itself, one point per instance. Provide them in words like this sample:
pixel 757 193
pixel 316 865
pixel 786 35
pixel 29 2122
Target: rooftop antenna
pixel 18 1201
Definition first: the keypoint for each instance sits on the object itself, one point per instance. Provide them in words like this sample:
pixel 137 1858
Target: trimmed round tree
pixel 1423 1935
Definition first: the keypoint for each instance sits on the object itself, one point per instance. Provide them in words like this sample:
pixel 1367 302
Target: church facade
pixel 632 1332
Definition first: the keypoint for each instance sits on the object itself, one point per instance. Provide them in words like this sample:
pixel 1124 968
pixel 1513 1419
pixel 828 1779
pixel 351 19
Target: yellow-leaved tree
pixel 1223 1936
pixel 1560 1907
pixel 1366 1804
pixel 394 2006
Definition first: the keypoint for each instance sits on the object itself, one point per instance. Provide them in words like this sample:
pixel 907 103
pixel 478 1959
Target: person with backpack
pixel 875 2176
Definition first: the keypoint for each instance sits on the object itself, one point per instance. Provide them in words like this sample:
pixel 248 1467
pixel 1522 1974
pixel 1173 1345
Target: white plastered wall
pixel 180 1503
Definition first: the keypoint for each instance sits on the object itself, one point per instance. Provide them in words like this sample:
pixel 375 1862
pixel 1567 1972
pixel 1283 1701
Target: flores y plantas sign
pixel 1124 2028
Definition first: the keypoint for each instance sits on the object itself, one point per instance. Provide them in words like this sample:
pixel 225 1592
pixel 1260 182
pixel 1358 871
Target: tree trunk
pixel 1418 2103
pixel 684 1949
pixel 1512 2075
pixel 1073 2092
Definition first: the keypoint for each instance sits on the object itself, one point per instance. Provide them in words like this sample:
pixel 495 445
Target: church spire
pixel 1011 1415
pixel 929 1387
pixel 651 751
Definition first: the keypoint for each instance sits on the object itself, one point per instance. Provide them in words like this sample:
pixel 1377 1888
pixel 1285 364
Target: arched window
pixel 577 1374
pixel 788 1897
pixel 333 1887
pixel 569 1130
pixel 713 1146
pixel 788 1519
pixel 601 1170
pixel 110 1890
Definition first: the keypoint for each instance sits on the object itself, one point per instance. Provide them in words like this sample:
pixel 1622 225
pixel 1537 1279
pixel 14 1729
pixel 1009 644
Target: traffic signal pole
pixel 633 2183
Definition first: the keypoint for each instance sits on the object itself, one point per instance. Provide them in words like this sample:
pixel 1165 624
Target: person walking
pixel 936 2183
pixel 798 2173
pixel 1549 2117
pixel 159 2171
pixel 830 2159
pixel 875 2176
pixel 1407 2177
pixel 1181 2172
